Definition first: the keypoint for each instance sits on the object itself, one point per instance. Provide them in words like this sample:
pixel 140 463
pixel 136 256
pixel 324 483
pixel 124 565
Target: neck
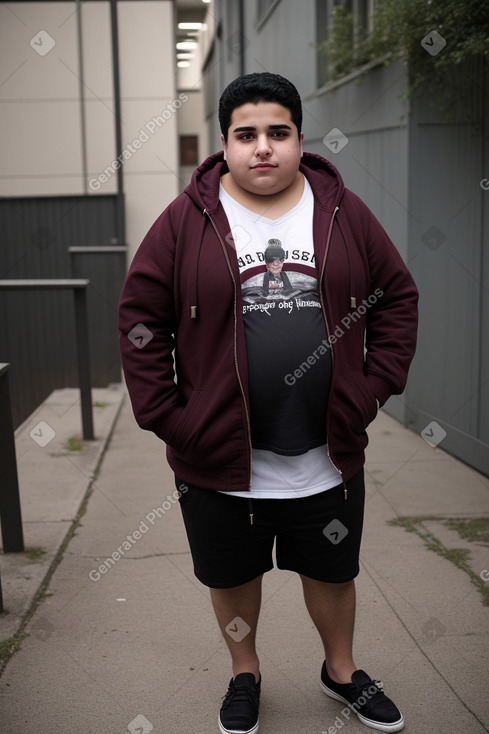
pixel 271 206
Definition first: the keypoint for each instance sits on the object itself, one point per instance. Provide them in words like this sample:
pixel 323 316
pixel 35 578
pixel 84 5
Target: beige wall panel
pixel 40 114
pixel 42 186
pixel 147 67
pixel 146 197
pixel 98 96
pixel 146 44
pixel 148 144
pixel 191 114
pixel 41 141
pixel 97 50
pixel 47 69
pixel 150 128
pixel 100 134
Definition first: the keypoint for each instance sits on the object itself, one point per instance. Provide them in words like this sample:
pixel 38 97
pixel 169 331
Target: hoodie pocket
pixel 366 401
pixel 186 419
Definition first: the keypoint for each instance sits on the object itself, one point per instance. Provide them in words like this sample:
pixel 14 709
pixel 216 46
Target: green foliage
pixel 74 444
pixel 473 530
pixel 399 27
pixel 35 554
pixel 348 47
pixel 10 646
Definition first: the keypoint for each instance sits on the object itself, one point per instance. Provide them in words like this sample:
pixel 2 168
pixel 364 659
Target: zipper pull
pixel 250 509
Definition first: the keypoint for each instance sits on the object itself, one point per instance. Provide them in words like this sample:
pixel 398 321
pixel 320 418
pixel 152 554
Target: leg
pixel 240 601
pixel 332 609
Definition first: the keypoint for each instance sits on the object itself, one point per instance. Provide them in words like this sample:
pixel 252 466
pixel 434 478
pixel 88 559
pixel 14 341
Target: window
pixel 189 150
pixel 356 16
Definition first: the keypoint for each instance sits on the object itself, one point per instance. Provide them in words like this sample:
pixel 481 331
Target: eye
pixel 246 136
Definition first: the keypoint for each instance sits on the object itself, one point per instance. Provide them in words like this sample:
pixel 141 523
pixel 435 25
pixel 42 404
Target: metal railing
pixel 10 512
pixel 79 288
pixel 98 250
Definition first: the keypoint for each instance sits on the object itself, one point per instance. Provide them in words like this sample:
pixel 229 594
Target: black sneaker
pixel 366 698
pixel 239 710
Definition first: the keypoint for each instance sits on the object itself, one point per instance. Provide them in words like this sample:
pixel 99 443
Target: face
pixel 263 150
pixel 275 266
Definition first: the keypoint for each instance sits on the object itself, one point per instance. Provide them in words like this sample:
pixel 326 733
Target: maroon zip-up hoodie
pixel 180 313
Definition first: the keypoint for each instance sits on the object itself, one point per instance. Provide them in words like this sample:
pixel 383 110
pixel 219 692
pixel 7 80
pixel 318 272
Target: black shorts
pixel 317 536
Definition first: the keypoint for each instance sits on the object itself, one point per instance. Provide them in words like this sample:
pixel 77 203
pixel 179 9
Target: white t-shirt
pixel 289 357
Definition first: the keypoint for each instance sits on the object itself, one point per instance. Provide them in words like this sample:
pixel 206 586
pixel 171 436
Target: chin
pixel 267 187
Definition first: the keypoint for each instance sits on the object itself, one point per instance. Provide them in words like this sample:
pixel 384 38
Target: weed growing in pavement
pixel 9 646
pixel 35 554
pixel 468 529
pixel 74 444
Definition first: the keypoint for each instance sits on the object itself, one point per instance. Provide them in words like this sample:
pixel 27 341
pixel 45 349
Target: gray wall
pixel 57 145
pixel 420 172
pixel 37 335
pixel 449 259
pixel 58 114
pixel 374 161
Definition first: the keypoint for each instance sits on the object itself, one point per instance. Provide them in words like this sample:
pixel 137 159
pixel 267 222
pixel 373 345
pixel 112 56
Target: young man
pixel 265 421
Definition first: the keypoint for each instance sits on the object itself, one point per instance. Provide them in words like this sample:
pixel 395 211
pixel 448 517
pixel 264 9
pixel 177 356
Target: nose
pixel 263 145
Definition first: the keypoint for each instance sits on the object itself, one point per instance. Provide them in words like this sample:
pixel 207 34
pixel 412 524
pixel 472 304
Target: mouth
pixel 264 165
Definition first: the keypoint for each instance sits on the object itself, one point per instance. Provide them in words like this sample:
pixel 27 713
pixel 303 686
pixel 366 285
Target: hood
pixel 325 180
pixel 203 189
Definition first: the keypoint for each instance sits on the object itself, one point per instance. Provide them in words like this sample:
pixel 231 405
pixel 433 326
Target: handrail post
pixel 79 287
pixel 83 351
pixel 10 512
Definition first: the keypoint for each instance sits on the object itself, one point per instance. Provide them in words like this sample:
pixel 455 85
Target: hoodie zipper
pixel 328 240
pixel 236 367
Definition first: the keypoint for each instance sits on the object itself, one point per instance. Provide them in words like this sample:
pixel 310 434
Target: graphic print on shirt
pixel 275 282
pixel 278 283
pixel 285 332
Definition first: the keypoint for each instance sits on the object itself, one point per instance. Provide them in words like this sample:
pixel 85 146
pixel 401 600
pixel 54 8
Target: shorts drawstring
pixel 250 509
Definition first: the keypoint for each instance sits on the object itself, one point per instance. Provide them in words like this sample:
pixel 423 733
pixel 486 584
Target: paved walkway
pixel 131 643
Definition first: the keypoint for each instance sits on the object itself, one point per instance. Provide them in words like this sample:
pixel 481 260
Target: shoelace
pixel 362 690
pixel 239 694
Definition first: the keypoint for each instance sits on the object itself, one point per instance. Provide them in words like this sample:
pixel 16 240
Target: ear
pixel 301 141
pixel 224 146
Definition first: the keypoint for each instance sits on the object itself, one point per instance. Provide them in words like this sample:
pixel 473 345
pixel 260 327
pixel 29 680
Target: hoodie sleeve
pixel 147 326
pixel 391 326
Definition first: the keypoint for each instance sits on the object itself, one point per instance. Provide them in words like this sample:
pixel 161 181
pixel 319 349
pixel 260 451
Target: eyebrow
pixel 249 129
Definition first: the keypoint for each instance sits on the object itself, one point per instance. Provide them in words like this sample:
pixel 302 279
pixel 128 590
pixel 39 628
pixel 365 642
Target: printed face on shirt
pixel 263 150
pixel 275 265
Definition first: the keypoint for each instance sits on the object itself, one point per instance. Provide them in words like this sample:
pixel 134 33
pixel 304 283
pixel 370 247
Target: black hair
pixel 274 250
pixel 259 87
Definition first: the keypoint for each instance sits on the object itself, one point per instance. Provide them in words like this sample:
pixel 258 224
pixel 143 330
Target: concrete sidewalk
pixel 125 638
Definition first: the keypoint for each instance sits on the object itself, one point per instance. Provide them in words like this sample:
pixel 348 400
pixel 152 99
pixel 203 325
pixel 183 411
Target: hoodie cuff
pixel 380 389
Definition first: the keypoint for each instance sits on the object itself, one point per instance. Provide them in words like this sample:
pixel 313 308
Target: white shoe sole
pixel 380 726
pixel 253 730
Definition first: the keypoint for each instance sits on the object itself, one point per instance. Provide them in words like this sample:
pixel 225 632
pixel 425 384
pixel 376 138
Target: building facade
pixel 89 152
pixel 101 129
pixel 425 177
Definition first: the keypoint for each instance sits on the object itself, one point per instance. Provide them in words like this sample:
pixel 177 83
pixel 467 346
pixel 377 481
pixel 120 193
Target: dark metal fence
pixel 10 512
pixel 58 238
pixel 80 323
